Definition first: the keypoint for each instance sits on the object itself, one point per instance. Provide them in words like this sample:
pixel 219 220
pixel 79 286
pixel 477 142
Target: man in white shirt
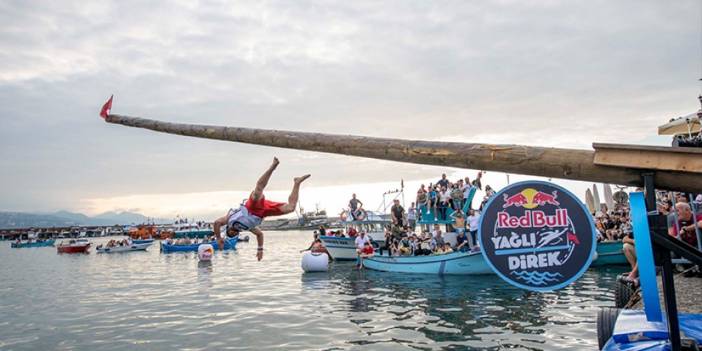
pixel 473 222
pixel 412 217
pixel 361 240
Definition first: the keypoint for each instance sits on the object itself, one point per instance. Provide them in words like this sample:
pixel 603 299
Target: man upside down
pixel 250 215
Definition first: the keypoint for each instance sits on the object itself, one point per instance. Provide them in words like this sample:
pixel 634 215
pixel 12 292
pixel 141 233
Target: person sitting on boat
pixel 446 249
pixel 437 240
pixel 352 232
pixel 322 231
pixel 462 243
pixel 361 241
pixel 412 217
pixel 366 252
pixel 456 197
pixel 355 206
pixel 250 215
pixel 405 247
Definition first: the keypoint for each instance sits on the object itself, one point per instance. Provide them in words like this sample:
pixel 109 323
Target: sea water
pixel 153 301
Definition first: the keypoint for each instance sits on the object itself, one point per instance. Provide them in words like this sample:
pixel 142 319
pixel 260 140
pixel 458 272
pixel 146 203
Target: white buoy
pixel 205 252
pixel 315 262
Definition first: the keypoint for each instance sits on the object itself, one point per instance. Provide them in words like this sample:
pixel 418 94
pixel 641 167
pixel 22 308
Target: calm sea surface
pixel 154 301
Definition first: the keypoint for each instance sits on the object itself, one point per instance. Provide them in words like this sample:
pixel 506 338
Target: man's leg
pixel 294 194
pixel 263 181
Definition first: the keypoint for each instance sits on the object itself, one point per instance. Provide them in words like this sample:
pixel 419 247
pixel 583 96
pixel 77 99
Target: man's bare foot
pixel 275 163
pixel 299 180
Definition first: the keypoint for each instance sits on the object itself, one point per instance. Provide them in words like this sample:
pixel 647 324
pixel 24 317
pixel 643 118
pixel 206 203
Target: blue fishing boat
pixel 43 243
pixel 609 253
pixel 463 263
pixel 229 244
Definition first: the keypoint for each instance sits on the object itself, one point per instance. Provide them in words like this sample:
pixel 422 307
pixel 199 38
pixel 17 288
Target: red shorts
pixel 264 208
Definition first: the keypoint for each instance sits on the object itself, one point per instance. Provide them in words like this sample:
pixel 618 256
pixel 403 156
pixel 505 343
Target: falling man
pixel 250 215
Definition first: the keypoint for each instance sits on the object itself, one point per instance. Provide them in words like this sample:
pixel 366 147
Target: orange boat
pixel 149 231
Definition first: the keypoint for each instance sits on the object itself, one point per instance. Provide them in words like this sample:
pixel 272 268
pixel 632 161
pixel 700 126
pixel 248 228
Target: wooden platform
pixel 663 158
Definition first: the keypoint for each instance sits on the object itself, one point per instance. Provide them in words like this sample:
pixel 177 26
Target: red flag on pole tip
pixel 106 108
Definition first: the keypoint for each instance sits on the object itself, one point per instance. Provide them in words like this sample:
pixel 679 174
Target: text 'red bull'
pixel 533 219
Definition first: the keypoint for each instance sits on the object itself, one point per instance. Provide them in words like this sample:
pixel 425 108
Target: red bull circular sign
pixel 537 236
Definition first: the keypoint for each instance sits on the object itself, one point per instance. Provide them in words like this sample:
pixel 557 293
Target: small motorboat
pixel 229 244
pixel 73 246
pixel 123 248
pixel 37 243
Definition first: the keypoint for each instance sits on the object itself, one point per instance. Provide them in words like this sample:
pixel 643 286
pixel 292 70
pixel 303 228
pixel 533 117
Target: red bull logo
pixel 531 198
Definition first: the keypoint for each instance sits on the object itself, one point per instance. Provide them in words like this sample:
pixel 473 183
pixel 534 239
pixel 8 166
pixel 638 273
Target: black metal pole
pixel 671 307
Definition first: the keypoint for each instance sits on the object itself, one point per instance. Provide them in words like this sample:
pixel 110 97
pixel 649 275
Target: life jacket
pixel 240 219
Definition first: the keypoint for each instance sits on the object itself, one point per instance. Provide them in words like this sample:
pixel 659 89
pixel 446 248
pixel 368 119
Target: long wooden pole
pixel 537 161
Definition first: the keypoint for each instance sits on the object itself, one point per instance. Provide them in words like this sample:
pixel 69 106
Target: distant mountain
pixel 122 217
pixel 65 218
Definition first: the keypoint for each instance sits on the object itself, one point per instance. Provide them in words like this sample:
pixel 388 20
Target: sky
pixel 548 73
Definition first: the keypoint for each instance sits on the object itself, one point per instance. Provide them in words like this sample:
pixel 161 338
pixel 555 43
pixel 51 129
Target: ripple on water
pixel 149 300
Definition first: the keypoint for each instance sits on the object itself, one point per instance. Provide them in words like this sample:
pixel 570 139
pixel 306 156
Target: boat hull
pixel 142 241
pixel 71 249
pixel 457 263
pixel 229 244
pixel 609 253
pixel 34 244
pixel 344 249
pixel 116 249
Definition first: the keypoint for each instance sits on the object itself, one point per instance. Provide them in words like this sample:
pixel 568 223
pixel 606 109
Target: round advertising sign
pixel 537 236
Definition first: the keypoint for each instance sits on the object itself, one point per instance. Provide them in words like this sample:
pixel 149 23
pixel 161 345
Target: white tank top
pixel 241 219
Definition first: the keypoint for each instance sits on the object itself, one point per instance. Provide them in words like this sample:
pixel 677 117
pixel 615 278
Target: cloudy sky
pixel 551 73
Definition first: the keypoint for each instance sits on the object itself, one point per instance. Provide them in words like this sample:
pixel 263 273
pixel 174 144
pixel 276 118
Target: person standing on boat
pixel 412 217
pixel 397 213
pixel 250 215
pixel 355 205
pixel 473 222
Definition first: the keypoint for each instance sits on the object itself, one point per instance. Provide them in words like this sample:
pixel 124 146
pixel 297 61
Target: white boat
pixel 461 263
pixel 344 248
pixel 125 248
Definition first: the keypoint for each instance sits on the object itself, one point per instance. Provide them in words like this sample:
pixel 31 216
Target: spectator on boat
pixel 447 248
pixel 361 240
pixel 456 197
pixel 365 252
pixel 433 200
pixel 459 221
pixel 355 205
pixel 462 243
pixel 687 224
pixel 322 231
pixel 406 247
pixel 443 182
pixel 478 181
pixel 412 217
pixel 444 198
pixel 422 200
pixel 352 232
pixel 397 213
pixel 473 223
pixel 437 240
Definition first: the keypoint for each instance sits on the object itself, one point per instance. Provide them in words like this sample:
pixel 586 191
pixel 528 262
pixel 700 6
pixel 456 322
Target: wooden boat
pixel 42 243
pixel 229 244
pixel 73 246
pixel 463 263
pixel 472 263
pixel 124 248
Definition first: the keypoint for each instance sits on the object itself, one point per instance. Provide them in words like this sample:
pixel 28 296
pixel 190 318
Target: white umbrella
pixel 681 125
pixel 596 197
pixel 609 199
pixel 589 201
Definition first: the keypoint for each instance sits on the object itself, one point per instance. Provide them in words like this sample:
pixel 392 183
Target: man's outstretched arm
pixel 259 240
pixel 221 221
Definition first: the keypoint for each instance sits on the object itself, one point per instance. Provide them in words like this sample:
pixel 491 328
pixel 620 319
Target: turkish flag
pixel 106 108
